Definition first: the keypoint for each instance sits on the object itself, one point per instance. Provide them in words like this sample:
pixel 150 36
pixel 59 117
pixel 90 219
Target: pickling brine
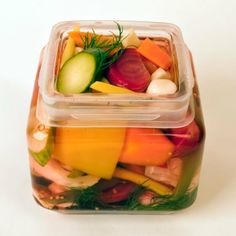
pixel 115 123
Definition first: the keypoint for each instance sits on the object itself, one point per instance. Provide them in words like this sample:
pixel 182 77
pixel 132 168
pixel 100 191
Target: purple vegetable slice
pixel 129 71
pixel 117 193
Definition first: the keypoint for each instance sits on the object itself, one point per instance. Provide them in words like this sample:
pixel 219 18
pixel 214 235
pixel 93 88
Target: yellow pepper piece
pixel 104 87
pixel 69 51
pixel 94 151
pixel 142 180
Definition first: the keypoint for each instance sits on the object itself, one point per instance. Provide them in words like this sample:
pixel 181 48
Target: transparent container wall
pixel 134 170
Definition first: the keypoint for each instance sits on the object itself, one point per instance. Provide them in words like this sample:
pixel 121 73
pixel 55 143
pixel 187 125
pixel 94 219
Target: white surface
pixel 209 30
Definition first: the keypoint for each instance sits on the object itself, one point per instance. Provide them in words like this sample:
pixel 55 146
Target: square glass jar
pixel 116 153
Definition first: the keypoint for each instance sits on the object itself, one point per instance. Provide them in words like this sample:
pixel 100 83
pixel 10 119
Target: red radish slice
pixel 117 193
pixel 129 71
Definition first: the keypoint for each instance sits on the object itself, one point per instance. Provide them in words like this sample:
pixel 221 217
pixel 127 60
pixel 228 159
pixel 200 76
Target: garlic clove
pixel 161 87
pixel 131 39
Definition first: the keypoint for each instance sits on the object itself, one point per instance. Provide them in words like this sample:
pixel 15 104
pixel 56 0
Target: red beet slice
pixel 129 71
pixel 117 193
pixel 185 138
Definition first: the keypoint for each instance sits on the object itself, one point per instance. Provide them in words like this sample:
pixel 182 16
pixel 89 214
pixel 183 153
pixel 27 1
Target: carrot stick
pixel 154 53
pixel 79 36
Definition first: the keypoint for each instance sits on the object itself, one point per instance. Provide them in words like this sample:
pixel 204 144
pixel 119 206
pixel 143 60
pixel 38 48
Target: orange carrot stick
pixel 155 53
pixel 79 36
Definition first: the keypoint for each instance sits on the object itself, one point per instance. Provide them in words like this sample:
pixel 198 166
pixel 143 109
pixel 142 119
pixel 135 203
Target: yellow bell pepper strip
pixel 142 180
pixel 69 51
pixel 104 87
pixel 94 151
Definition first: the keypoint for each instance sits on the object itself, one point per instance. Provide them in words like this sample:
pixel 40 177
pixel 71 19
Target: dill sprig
pixel 161 203
pixel 105 46
pixel 89 199
pixel 86 198
pixel 133 200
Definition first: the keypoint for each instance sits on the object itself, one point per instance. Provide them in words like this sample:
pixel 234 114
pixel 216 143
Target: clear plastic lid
pixel 116 110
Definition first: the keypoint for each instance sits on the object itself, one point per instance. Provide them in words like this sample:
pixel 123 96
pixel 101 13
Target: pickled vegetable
pixel 78 73
pixel 131 39
pixel 154 53
pixel 94 151
pixel 117 193
pixel 161 87
pixel 103 87
pixel 146 147
pixel 69 51
pixel 142 180
pixel 129 71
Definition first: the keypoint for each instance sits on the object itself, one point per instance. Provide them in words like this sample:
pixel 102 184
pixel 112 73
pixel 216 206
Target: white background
pixel 209 29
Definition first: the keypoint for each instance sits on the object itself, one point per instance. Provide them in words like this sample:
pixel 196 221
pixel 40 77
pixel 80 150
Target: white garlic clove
pixel 161 87
pixel 131 39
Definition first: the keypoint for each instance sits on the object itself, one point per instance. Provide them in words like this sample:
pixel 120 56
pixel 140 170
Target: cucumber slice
pixel 77 73
pixel 40 139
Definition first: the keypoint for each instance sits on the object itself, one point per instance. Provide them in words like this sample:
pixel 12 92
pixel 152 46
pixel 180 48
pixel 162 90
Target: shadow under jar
pixel 115 152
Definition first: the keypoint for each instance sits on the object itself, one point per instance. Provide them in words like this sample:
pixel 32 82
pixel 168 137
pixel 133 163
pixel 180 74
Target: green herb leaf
pixel 106 46
pixel 162 203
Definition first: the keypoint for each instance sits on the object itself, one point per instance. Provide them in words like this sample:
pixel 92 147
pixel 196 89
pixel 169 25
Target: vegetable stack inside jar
pixel 115 122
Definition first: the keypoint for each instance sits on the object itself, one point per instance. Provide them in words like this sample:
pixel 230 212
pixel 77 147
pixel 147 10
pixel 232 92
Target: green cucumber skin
pixel 42 157
pixel 94 57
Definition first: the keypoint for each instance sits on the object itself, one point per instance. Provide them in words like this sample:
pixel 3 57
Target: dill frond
pixel 163 203
pixel 105 46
